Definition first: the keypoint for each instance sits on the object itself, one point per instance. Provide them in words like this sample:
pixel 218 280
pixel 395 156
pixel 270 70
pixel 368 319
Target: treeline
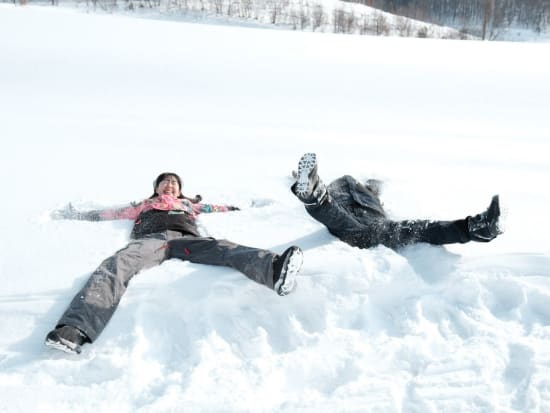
pixel 484 18
pixel 310 15
pixel 488 19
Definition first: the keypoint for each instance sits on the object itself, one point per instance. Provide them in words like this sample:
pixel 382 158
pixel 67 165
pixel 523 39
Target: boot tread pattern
pixel 63 345
pixel 291 269
pixel 305 166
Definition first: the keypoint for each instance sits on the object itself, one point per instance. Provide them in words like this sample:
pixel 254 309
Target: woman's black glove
pixel 195 200
pixel 233 208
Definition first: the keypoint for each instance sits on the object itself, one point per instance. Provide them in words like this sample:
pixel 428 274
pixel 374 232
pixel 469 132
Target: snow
pixel 93 108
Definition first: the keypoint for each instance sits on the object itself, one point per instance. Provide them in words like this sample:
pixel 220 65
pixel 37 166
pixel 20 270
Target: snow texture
pixel 93 108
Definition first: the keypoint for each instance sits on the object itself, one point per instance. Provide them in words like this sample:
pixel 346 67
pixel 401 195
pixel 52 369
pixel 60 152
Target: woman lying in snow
pixel 164 228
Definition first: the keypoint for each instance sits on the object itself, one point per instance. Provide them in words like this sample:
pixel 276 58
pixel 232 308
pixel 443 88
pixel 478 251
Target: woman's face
pixel 169 186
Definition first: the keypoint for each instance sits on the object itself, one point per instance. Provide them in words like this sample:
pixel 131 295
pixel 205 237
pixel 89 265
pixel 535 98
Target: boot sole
pixel 494 206
pixel 494 211
pixel 305 166
pixel 290 270
pixel 64 345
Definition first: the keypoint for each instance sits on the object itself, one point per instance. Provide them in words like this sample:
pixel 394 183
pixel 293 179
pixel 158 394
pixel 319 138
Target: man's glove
pixel 70 212
pixel 233 208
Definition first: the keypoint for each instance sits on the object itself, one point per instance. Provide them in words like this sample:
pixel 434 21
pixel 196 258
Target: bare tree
pixel 381 24
pixel 488 10
pixel 363 25
pixel 317 17
pixel 304 15
pixel 275 10
pixel 423 32
pixel 245 9
pixel 349 22
pixel 403 26
pixel 339 20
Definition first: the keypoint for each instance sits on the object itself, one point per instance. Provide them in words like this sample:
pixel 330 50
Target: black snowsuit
pixel 353 213
pixel 93 306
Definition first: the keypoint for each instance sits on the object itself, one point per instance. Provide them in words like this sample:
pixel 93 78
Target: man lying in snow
pixel 353 212
pixel 164 228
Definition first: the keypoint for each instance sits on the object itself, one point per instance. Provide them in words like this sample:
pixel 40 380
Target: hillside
pixel 321 16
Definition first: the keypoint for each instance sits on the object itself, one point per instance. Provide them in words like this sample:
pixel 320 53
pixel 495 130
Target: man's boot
pixel 484 227
pixel 308 187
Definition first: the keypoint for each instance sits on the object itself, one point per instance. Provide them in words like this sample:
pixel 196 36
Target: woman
pixel 164 227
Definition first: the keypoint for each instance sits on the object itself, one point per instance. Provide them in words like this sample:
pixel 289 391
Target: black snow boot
pixel 484 227
pixel 285 269
pixel 67 338
pixel 308 187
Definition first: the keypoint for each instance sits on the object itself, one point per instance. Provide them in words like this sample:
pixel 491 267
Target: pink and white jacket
pixel 162 213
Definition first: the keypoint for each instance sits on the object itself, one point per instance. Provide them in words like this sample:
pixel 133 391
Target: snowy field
pixel 93 108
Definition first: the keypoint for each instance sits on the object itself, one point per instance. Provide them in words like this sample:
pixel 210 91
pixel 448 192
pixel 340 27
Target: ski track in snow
pixel 92 117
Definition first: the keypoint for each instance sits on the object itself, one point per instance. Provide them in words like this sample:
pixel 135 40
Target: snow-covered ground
pixel 93 107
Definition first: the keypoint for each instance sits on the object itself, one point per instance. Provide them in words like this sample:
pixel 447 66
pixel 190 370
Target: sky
pixel 94 107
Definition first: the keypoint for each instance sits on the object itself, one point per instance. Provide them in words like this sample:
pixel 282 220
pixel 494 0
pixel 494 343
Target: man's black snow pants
pixel 365 226
pixel 94 305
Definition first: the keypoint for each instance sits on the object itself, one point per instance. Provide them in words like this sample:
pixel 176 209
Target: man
pixel 353 212
pixel 164 228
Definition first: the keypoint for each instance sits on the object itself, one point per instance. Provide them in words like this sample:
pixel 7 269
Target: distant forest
pixel 484 18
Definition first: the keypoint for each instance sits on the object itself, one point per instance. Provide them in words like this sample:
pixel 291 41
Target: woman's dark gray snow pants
pixel 94 305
